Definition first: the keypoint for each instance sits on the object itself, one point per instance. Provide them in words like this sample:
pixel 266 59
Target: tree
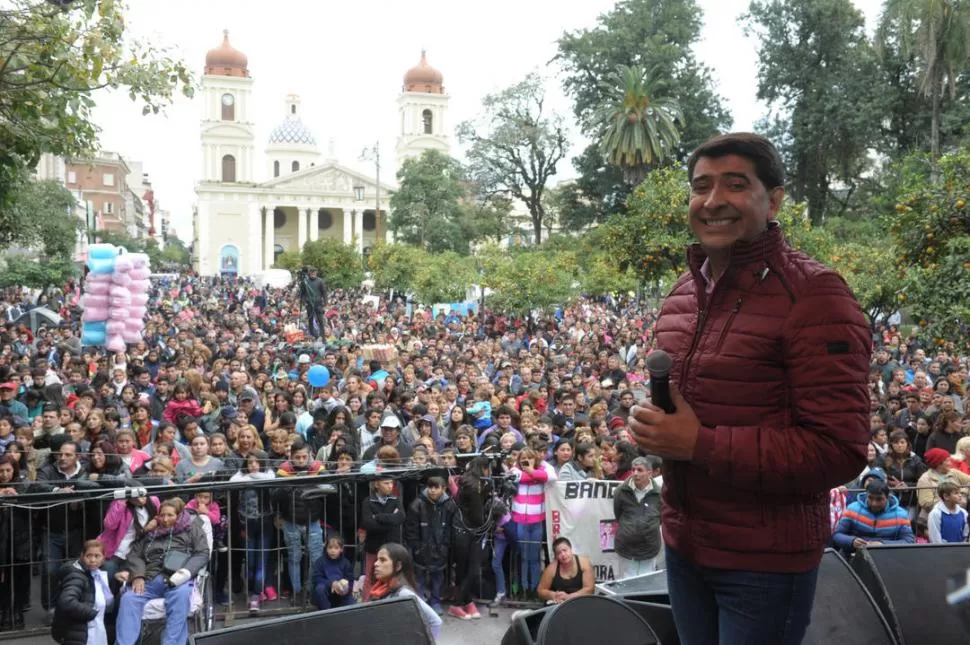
pixel 339 264
pixel 40 216
pixel 515 146
pixel 393 266
pixel 639 126
pixel 25 272
pixel 175 253
pixel 656 35
pixel 289 260
pixel 523 280
pixel 53 56
pixel 133 245
pixel 427 209
pixel 931 226
pixel 651 237
pixel 442 277
pixel 599 191
pixel 818 73
pixel 936 33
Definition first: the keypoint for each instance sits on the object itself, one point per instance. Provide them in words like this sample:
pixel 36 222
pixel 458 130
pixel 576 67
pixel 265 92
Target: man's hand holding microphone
pixel 666 426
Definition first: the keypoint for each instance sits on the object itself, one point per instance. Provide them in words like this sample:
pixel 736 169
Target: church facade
pixel 248 212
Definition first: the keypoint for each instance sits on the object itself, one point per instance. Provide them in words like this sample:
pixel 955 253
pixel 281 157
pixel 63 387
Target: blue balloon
pixel 318 376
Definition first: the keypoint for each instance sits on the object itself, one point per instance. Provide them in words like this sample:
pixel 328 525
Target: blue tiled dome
pixel 292 131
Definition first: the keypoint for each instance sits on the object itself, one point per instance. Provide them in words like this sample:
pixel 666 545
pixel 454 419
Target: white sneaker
pixel 499 597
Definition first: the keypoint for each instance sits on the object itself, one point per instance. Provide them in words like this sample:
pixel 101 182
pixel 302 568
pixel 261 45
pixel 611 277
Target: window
pixel 71 177
pixel 109 208
pixel 324 219
pixel 426 118
pixel 109 179
pixel 279 218
pixel 295 166
pixel 369 221
pixel 292 109
pixel 276 169
pixel 228 107
pixel 228 168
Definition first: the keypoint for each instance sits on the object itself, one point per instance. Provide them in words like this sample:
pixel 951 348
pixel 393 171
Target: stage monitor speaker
pixel 909 584
pixel 386 621
pixel 581 621
pixel 844 611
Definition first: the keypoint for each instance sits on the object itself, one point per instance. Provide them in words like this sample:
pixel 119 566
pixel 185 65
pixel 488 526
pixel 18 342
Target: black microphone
pixel 658 364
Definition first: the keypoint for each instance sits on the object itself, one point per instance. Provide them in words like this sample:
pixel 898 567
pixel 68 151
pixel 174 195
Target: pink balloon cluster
pixel 115 298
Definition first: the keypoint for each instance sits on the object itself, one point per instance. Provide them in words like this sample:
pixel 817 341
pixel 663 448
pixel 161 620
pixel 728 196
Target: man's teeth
pixel 718 222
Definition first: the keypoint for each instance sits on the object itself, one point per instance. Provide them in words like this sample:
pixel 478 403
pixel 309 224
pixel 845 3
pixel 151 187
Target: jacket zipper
pixel 727 324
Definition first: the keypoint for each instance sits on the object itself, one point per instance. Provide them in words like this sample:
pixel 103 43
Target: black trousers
pixel 314 317
pixel 468 562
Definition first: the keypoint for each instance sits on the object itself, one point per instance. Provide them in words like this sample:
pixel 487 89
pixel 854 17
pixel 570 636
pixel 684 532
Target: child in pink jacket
pixel 180 405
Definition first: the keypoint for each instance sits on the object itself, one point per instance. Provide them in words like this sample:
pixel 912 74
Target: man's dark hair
pixel 761 152
pixel 877 487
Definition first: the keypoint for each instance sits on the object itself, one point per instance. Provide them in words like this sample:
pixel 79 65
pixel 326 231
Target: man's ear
pixel 776 196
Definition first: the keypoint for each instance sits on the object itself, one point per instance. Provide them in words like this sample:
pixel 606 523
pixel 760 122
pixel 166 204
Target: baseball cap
pixel 304 359
pixel 247 396
pixel 7 386
pixel 391 421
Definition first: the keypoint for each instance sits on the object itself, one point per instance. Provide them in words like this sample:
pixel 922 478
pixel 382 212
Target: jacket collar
pixel 742 253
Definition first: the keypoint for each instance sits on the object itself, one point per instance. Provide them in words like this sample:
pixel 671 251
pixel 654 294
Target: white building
pixel 245 218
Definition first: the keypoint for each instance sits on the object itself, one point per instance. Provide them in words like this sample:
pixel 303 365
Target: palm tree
pixel 640 129
pixel 936 33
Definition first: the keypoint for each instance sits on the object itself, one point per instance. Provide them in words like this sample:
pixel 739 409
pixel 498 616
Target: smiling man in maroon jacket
pixel 771 354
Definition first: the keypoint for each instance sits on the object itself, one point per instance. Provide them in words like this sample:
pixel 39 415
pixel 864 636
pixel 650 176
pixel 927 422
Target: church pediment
pixel 329 178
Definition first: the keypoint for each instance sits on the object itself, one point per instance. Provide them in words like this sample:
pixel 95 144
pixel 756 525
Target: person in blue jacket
pixel 333 576
pixel 875 518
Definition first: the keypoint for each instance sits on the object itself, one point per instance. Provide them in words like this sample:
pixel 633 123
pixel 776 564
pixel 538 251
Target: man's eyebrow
pixel 734 175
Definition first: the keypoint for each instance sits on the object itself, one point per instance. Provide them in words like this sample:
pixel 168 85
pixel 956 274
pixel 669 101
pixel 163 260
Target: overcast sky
pixel 346 60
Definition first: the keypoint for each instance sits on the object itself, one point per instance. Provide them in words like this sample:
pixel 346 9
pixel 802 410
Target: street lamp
pixel 374 154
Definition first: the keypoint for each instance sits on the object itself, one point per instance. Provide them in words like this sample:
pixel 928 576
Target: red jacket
pixel 774 364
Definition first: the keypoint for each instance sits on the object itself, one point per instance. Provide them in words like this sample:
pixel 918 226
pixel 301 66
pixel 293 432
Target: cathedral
pixel 245 217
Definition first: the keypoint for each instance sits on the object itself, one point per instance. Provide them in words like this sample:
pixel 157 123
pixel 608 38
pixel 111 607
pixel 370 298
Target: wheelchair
pixel 201 612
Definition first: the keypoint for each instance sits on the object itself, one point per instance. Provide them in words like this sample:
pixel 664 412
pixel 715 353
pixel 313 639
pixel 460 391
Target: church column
pixel 252 251
pixel 313 221
pixel 348 228
pixel 359 230
pixel 269 239
pixel 301 217
pixel 203 241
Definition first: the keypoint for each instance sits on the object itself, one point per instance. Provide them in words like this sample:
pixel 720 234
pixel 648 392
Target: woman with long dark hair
pixel 474 496
pixel 393 577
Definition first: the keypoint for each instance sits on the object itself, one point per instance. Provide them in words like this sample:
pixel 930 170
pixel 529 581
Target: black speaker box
pixel 387 621
pixel 844 611
pixel 580 621
pixel 909 584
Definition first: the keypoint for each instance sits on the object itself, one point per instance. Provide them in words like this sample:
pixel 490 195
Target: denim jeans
pixel 293 535
pixel 429 585
pixel 258 538
pixel 529 537
pixel 631 568
pixel 500 545
pixel 326 599
pixel 713 606
pixel 177 600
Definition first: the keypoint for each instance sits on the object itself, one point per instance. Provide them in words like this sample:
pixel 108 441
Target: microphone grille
pixel 659 363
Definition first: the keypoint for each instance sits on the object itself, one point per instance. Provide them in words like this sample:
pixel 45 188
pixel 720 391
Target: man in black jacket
pixel 636 506
pixel 314 299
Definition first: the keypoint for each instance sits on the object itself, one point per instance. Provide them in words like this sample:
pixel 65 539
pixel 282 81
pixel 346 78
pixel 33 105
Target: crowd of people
pixel 435 454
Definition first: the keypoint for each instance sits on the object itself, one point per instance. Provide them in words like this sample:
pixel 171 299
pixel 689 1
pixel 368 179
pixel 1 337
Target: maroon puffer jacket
pixel 774 364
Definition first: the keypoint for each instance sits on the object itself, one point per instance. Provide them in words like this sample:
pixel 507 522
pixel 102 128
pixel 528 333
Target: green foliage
pixel 175 254
pixel 289 260
pixel 442 277
pixel 132 245
pixel 427 209
pixel 640 125
pixel 600 190
pixel 657 35
pixel 40 215
pixel 819 74
pixel 528 279
pixel 598 274
pixel 52 58
pixel 935 36
pixel 515 146
pixel 650 238
pixel 930 223
pixel 36 274
pixel 339 264
pixel 431 277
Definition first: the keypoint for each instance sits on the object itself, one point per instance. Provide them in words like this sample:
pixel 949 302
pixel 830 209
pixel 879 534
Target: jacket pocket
pixel 727 324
